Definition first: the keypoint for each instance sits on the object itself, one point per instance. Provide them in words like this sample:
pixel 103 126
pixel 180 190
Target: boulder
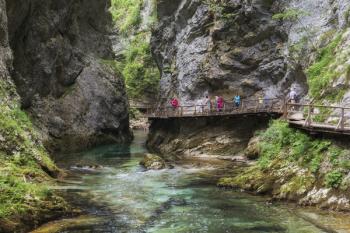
pixel 252 151
pixel 153 162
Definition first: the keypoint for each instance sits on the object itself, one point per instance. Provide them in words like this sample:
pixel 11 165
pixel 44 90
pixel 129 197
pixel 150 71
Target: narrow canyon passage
pixel 118 195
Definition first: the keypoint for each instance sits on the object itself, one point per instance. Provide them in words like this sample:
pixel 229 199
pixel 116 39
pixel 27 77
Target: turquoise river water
pixel 118 195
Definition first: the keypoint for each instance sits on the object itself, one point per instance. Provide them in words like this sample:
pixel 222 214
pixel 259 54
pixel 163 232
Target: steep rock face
pixel 5 51
pixel 222 48
pixel 59 52
pixel 203 136
pixel 24 163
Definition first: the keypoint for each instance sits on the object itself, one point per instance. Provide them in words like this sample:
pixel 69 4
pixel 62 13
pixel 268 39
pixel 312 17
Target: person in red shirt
pixel 220 103
pixel 174 103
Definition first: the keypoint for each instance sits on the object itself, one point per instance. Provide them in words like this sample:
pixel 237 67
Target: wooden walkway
pixel 309 117
pixel 247 107
pixel 319 118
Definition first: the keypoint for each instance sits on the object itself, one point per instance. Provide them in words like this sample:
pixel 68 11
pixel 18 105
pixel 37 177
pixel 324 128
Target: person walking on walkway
pixel 220 103
pixel 236 101
pixel 199 106
pixel 292 96
pixel 207 104
pixel 174 103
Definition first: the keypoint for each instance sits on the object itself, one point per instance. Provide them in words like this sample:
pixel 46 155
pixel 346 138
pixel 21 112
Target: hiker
pixel 207 103
pixel 174 103
pixel 237 101
pixel 219 103
pixel 199 106
pixel 292 96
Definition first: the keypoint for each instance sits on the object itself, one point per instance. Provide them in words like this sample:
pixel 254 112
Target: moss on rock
pixel 25 170
pixel 153 162
pixel 292 165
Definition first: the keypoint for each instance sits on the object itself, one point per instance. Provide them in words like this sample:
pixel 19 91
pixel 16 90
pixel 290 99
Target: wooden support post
pixel 341 123
pixel 308 119
pixel 285 109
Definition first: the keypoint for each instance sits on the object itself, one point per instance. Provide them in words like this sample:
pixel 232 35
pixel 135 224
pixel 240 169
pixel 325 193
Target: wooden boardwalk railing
pixel 319 118
pixel 310 117
pixel 246 107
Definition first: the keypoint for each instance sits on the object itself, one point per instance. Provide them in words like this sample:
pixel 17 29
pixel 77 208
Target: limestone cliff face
pixel 235 46
pixel 238 47
pixel 222 48
pixel 59 50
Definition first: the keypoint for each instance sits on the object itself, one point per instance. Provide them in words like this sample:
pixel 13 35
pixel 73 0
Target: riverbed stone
pixel 153 162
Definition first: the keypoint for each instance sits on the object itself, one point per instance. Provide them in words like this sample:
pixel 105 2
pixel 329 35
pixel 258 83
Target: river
pixel 118 195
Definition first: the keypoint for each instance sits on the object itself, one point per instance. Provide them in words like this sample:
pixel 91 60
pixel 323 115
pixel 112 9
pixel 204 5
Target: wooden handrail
pixel 317 106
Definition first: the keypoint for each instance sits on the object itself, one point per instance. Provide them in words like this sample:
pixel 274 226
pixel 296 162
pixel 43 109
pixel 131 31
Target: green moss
pixel 290 163
pixel 297 186
pixel 22 161
pixel 321 73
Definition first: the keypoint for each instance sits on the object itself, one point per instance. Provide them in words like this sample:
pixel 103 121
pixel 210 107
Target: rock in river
pixel 153 162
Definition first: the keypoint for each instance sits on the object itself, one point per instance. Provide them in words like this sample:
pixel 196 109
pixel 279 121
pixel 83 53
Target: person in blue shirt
pixel 237 101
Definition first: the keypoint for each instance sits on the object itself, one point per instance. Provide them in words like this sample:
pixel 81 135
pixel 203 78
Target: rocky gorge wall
pixel 56 93
pixel 25 166
pixel 59 50
pixel 259 48
pixel 222 48
pixel 203 136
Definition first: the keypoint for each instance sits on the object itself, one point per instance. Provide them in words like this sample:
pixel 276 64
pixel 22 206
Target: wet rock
pixel 252 151
pixel 153 162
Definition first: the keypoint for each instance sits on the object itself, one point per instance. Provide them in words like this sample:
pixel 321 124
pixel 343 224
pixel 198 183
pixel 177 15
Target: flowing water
pixel 119 196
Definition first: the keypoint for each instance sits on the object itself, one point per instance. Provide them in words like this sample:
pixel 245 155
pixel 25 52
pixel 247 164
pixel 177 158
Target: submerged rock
pixel 153 162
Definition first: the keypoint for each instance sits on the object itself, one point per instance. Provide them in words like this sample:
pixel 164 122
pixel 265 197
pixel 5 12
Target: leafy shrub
pixel 333 179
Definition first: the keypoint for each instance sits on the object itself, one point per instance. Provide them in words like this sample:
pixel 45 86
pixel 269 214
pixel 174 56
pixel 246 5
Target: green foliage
pixel 22 159
pixel 138 66
pixel 126 13
pixel 292 14
pixel 333 179
pixel 320 74
pixel 280 141
pixel 139 69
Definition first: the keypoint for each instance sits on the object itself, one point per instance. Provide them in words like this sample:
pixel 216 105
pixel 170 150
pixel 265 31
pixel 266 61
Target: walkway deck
pixel 309 117
pixel 247 107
